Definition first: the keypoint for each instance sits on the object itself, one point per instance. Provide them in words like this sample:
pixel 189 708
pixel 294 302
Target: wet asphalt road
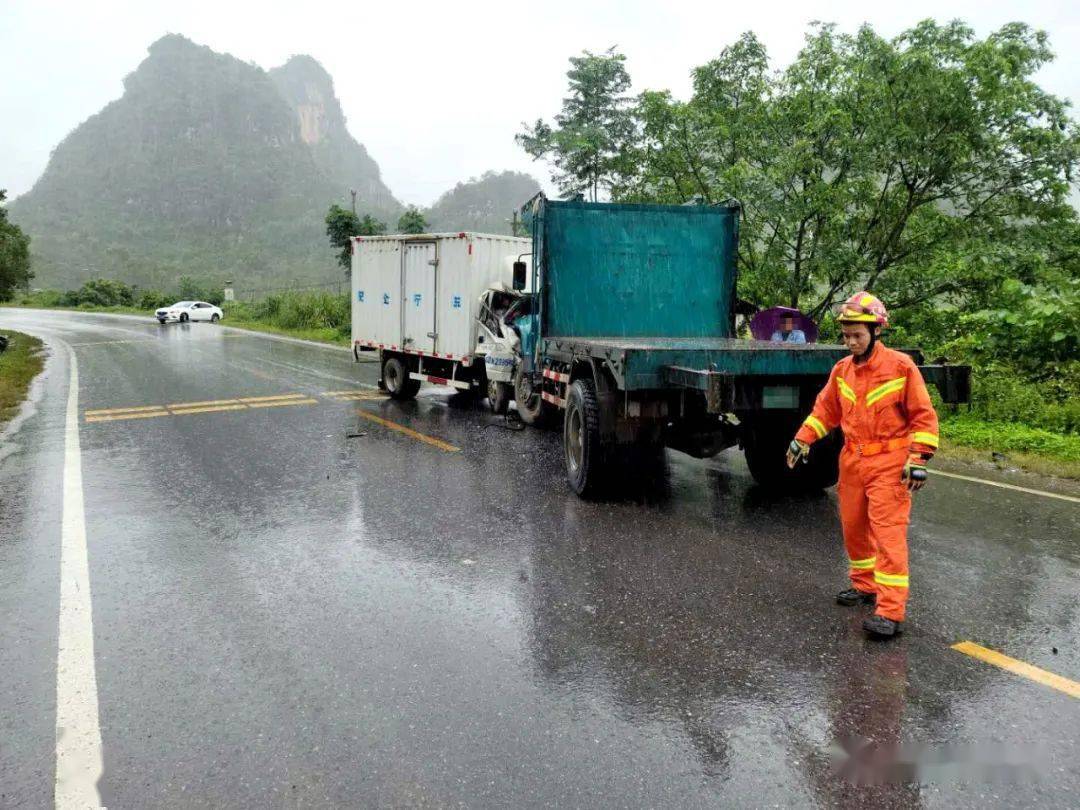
pixel 284 616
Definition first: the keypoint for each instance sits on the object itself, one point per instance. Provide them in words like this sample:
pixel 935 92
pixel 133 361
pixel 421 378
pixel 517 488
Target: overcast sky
pixel 434 90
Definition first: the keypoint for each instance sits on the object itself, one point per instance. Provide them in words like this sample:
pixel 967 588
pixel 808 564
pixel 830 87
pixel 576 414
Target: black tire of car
pixel 587 460
pixel 183 317
pixel 765 442
pixel 161 321
pixel 499 395
pixel 215 318
pixel 395 375
pixel 530 405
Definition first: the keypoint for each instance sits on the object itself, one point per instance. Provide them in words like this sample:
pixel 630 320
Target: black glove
pixel 914 473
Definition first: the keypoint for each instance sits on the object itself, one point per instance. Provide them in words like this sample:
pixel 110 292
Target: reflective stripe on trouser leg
pixel 854 518
pixel 889 509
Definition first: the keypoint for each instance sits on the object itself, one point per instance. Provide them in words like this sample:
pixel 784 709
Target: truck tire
pixel 499 395
pixel 586 457
pixel 765 439
pixel 395 376
pixel 531 407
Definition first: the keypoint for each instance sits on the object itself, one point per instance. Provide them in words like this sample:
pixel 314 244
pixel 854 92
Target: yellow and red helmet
pixel 863 307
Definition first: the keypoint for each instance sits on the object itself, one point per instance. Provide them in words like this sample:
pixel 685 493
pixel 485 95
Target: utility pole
pixel 352 191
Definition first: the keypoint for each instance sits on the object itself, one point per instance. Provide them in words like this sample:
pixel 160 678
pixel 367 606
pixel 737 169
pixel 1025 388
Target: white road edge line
pixel 79 764
pixel 1029 491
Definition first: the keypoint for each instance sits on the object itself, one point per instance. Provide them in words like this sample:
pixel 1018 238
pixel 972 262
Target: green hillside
pixel 484 204
pixel 207 166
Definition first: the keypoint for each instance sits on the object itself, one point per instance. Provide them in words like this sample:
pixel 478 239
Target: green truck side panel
pixel 643 367
pixel 636 270
pixel 642 359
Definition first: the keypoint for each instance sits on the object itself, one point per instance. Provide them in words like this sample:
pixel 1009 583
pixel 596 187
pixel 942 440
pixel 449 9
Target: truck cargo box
pixel 635 270
pixel 418 294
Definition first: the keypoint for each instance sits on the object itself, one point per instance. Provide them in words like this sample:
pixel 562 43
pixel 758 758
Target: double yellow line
pixel 278 400
pixel 207 406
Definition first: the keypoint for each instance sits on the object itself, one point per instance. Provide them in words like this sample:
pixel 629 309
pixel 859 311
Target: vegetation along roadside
pixel 19 365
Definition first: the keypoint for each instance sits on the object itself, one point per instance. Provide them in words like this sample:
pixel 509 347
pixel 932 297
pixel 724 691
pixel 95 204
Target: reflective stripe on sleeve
pixel 817 426
pixel 863 565
pixel 895 580
pixel 929 439
pixel 846 391
pixel 885 389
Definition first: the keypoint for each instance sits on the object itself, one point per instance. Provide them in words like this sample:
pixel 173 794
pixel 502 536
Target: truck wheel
pixel 765 441
pixel 395 375
pixel 499 395
pixel 531 407
pixel 586 458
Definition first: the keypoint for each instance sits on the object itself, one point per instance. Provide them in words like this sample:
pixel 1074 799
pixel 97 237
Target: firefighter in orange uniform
pixel 878 397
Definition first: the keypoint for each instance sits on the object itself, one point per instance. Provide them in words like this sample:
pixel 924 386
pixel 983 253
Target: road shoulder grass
pixel 329 336
pixel 1011 446
pixel 19 365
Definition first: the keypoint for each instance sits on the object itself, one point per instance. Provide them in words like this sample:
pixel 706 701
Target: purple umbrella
pixel 768 321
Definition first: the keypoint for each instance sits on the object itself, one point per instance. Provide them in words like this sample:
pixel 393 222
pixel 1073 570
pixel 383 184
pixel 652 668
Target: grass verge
pixel 331 336
pixel 1031 449
pixel 23 360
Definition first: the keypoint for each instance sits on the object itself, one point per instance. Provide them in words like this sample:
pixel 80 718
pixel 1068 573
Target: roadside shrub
pixel 299 310
pixel 154 299
pixel 105 292
pixel 42 298
pixel 189 289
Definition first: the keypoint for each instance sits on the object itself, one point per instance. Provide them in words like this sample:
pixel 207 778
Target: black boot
pixel 880 627
pixel 853 596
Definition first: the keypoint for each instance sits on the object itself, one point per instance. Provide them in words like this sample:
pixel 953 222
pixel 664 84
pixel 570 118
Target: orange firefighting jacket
pixel 881 405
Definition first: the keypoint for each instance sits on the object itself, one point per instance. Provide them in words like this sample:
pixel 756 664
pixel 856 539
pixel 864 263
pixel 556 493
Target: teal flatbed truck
pixel 630 336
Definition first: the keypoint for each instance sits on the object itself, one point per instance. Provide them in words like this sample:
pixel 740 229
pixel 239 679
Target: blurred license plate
pixel 780 396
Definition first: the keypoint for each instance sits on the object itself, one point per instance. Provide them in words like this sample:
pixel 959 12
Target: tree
pixel 412 221
pixel 369 226
pixel 893 165
pixel 590 139
pixel 341 226
pixel 15 273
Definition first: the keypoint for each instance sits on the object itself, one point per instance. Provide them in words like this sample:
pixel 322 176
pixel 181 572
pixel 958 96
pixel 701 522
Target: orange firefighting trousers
pixel 875 509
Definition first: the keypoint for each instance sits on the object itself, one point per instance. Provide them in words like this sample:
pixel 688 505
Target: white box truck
pixel 418 300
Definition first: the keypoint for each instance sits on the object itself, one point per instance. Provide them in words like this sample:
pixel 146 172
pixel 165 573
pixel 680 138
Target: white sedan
pixel 184 311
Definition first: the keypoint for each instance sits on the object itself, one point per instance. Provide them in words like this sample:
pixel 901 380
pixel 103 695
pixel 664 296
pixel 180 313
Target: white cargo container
pixel 415 300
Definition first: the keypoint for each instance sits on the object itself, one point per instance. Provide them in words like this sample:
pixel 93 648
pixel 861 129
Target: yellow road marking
pixel 353 396
pixel 105 411
pixel 200 404
pixel 1057 495
pixel 268 399
pixel 371 390
pixel 1062 684
pixel 210 409
pixel 116 416
pixel 279 403
pixel 412 434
